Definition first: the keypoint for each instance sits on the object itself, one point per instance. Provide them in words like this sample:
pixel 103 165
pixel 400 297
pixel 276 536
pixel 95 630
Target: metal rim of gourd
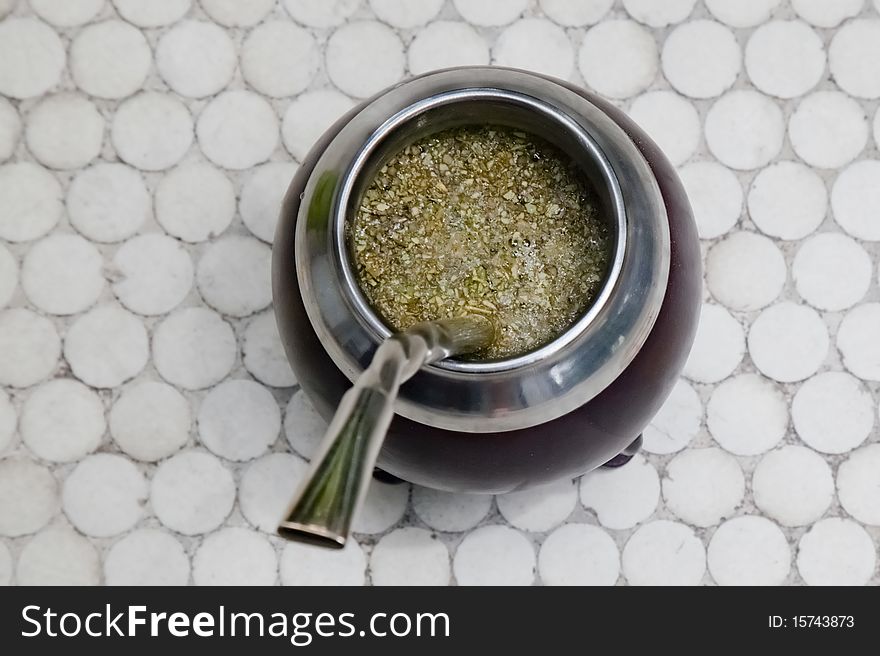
pixel 556 126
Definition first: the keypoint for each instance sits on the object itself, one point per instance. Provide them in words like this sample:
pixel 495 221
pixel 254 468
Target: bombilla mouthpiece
pixel 325 506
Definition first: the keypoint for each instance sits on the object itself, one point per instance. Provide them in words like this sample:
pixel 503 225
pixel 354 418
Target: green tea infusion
pixel 481 220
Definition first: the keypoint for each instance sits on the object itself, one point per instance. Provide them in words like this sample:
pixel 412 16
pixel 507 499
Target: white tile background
pixel 150 430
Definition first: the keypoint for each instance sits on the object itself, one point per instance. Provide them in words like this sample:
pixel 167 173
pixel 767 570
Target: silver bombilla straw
pixel 324 507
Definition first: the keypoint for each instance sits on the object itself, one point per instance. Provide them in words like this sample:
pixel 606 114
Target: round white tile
pixel 267 488
pixel 579 554
pixel 793 485
pixel 785 58
pixel 833 412
pixel 450 511
pixel 271 43
pixel 28 497
pixel 383 507
pixel 237 130
pixel 858 479
pixel 854 58
pixel 787 200
pixel 671 121
pixel 154 13
pixel 62 420
pixel 30 201
pixel 788 342
pixel 836 551
pixel 64 131
pixel 831 271
pixel 749 551
pixel 192 492
pixel 676 423
pixel 153 274
pixel 541 508
pixel 234 13
pixel 747 415
pixel 489 13
pixel 235 556
pixel 150 421
pixel 746 271
pixel 716 197
pixel 363 58
pixel 320 13
pixel 108 202
pixel 537 45
pixel 430 50
pixel 701 59
pixel 306 565
pixel 263 353
pixel 303 426
pixel 62 274
pixel 855 199
pixel 193 348
pixel 828 129
pixel 58 556
pixel 877 127
pixel 10 129
pixel 494 555
pixel 745 129
pixel 66 14
pixel 8 421
pixel 742 13
pixel 622 496
pixel 195 202
pixel 146 556
pixel 196 58
pixel 239 420
pixel 110 59
pixel 406 14
pixel 234 276
pixel 309 116
pixel 409 556
pixel 702 487
pixel 8 275
pixel 659 14
pixel 104 495
pixel 152 131
pixel 618 58
pixel 29 347
pixel 719 346
pixel 826 14
pixel 664 553
pixel 33 55
pixel 261 196
pixel 575 13
pixel 6 566
pixel 106 346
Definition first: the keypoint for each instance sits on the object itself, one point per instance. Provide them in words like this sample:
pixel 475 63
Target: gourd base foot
pixel 626 455
pixel 385 477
